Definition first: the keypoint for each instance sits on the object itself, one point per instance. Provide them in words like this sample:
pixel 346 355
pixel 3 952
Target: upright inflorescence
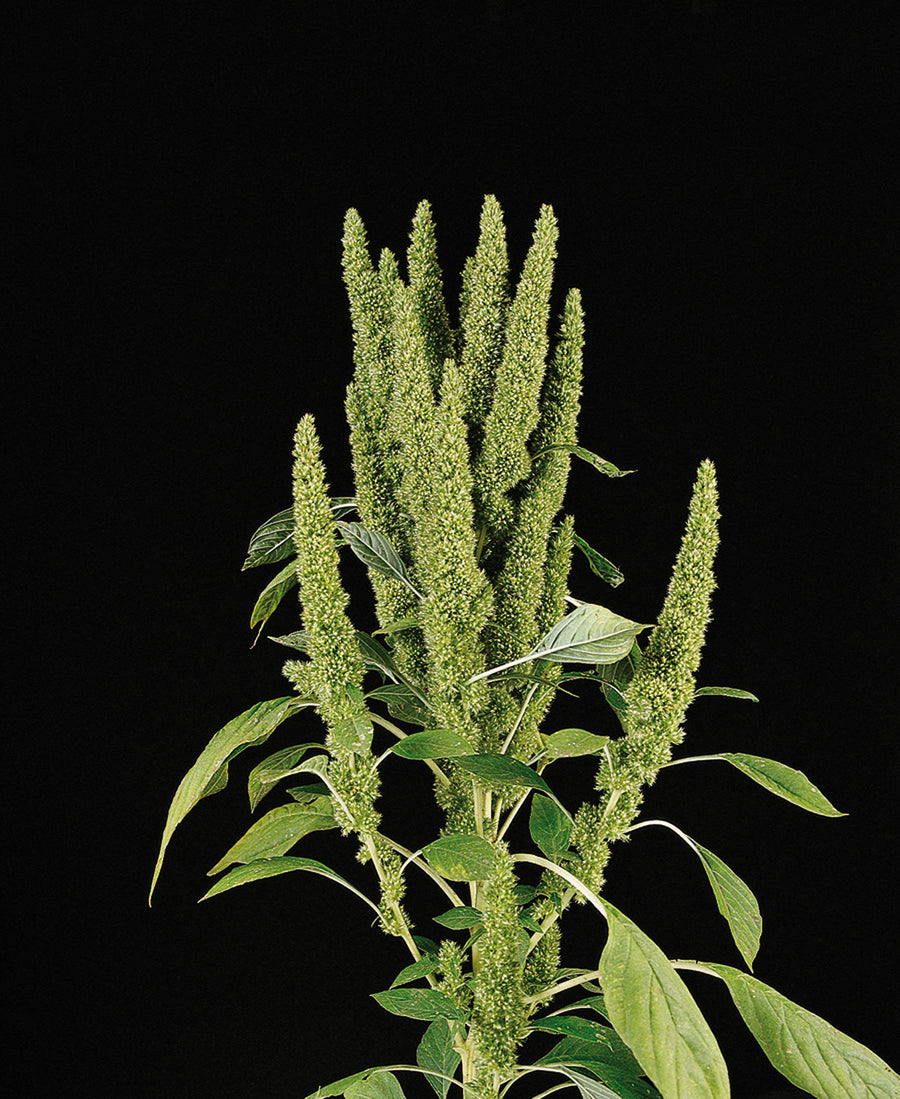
pixel 661 689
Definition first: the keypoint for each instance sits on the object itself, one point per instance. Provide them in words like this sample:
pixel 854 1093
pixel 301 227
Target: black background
pixel 722 175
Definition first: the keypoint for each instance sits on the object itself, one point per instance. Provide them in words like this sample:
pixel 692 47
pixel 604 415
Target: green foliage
pixel 461 441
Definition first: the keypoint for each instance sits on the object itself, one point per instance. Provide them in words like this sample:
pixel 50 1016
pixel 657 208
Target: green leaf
pixel 402 703
pixel 567 743
pixel 588 456
pixel 209 773
pixel 734 898
pixel 807 1050
pixel 274 540
pixel 278 831
pixel 272 594
pixel 417 1003
pixel 497 770
pixel 376 552
pixel 460 918
pixel 299 640
pixel 599 565
pixel 399 626
pixel 590 634
pixel 728 692
pixel 461 857
pixel 550 829
pixel 591 1088
pixel 285 864
pixel 436 1052
pixel 613 1063
pixel 432 744
pixel 652 1010
pixel 782 780
pixel 422 968
pixel 381 1085
pixel 275 767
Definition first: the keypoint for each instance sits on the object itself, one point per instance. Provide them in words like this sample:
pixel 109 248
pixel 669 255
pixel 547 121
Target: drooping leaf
pixel 806 1049
pixel 550 828
pixel 497 770
pixel 613 1063
pixel 588 456
pixel 460 918
pixel 432 744
pixel 734 898
pixel 265 775
pixel 209 773
pixel 278 831
pixel 272 594
pixel 436 1052
pixel 652 1010
pixel 567 743
pixel 422 968
pixel 417 1003
pixel 728 692
pixel 599 565
pixel 284 864
pixel 782 780
pixel 461 857
pixel 376 552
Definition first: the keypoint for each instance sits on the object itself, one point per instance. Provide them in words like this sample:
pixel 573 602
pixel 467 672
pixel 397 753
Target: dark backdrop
pixel 722 175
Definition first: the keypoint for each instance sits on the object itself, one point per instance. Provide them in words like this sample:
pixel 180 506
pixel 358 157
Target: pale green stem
pixel 520 718
pixel 561 872
pixel 563 986
pixel 400 735
pixel 413 857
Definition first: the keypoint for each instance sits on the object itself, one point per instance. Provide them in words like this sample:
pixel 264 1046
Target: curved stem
pixel 573 982
pixel 413 857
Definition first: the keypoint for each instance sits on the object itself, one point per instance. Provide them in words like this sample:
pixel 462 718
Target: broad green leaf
pixel 736 903
pixel 285 864
pixel 589 1087
pixel 422 968
pixel 734 898
pixel 378 657
pixel 210 772
pixel 376 552
pixel 782 780
pixel 497 770
pixel 652 1010
pixel 590 634
pixel 550 828
pixel 574 742
pixel 299 640
pixel 381 1085
pixel 402 703
pixel 436 1052
pixel 326 1091
pixel 278 831
pixel 728 692
pixel 806 1049
pixel 588 456
pixel 613 1062
pixel 459 918
pixel 272 594
pixel 275 767
pixel 599 565
pixel 399 626
pixel 417 1003
pixel 461 857
pixel 432 744
pixel 274 540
